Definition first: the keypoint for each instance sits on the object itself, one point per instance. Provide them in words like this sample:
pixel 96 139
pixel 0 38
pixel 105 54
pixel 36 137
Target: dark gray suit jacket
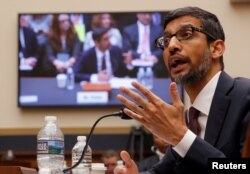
pixel 131 39
pixel 225 131
pixel 87 64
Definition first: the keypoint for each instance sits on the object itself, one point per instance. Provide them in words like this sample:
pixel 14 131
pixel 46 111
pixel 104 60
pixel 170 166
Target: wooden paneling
pixel 66 131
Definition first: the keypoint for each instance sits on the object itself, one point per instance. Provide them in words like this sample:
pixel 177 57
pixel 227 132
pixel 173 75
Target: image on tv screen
pixel 81 59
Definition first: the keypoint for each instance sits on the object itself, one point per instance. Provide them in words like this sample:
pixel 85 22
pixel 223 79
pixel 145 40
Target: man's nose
pixel 174 44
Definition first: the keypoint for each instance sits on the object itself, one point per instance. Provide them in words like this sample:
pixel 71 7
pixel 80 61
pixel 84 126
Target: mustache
pixel 176 59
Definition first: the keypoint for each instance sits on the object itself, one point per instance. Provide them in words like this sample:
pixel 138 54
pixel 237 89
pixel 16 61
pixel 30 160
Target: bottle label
pixel 55 147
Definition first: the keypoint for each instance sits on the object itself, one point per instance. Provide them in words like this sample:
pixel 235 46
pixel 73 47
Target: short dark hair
pixel 97 33
pixel 210 22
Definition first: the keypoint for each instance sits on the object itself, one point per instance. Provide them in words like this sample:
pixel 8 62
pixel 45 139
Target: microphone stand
pixel 120 114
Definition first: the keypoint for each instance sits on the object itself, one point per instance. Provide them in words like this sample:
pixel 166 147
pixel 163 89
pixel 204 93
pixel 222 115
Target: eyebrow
pixel 180 27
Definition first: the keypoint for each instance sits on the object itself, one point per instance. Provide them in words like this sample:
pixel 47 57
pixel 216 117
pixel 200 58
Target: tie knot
pixel 193 113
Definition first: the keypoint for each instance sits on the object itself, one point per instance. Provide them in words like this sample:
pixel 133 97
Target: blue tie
pixel 103 63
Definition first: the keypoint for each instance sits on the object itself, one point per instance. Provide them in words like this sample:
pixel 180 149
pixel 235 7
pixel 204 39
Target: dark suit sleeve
pixel 173 163
pixel 228 145
pixel 147 163
pixel 167 165
pixel 130 40
pixel 119 67
pixel 85 66
pixel 196 159
pixel 226 141
pixel 156 31
pixel 31 49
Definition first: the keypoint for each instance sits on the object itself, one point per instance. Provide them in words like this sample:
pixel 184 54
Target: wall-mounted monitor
pixel 103 51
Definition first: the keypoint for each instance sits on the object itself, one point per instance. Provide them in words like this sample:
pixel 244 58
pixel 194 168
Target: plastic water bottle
pixel 141 76
pixel 50 147
pixel 149 76
pixel 70 79
pixel 85 166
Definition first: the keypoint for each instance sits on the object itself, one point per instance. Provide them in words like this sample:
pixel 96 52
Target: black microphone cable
pixel 121 114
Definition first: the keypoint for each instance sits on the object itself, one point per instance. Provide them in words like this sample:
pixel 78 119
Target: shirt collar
pixel 142 26
pixel 99 53
pixel 204 99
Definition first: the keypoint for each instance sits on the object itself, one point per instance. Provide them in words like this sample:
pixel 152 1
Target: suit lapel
pixel 136 36
pixel 219 108
pixel 113 60
pixel 152 36
pixel 94 61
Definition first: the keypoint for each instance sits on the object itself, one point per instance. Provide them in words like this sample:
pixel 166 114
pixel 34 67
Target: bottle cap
pixel 98 167
pixel 50 118
pixel 120 163
pixel 81 138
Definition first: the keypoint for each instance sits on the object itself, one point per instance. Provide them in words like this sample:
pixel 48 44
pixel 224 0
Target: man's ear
pixel 217 48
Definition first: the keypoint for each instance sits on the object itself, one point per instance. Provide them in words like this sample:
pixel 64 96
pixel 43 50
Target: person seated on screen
pixel 63 46
pixel 104 20
pixel 28 46
pixel 159 148
pixel 101 62
pixel 109 159
pixel 139 42
pixel 40 23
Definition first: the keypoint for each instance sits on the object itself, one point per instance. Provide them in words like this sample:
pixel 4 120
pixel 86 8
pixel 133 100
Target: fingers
pixel 174 94
pixel 152 102
pixel 147 93
pixel 131 106
pixel 135 96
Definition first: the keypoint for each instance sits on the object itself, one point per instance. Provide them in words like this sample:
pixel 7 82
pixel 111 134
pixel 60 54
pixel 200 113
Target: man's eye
pixel 166 40
pixel 185 34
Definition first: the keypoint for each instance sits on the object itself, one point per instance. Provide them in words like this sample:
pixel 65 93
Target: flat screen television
pixel 50 45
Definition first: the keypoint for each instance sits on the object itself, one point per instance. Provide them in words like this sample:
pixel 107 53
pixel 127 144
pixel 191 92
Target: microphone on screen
pixel 120 114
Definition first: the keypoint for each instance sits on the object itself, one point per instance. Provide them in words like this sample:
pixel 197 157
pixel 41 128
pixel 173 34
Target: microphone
pixel 120 114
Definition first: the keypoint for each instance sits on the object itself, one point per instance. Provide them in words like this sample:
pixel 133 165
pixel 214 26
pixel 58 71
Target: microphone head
pixel 123 115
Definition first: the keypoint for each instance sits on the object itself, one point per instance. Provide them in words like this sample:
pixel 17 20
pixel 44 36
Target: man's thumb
pixel 127 159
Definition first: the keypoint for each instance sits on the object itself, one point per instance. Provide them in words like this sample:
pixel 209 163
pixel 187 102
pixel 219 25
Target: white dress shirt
pixel 141 29
pixel 99 55
pixel 202 103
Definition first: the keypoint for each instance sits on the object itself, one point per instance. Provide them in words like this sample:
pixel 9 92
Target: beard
pixel 196 73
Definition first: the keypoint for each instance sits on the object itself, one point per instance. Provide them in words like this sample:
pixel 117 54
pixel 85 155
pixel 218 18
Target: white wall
pixel 234 17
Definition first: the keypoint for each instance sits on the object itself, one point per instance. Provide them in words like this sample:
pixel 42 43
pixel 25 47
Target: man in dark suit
pixel 139 42
pixel 193 45
pixel 100 62
pixel 28 47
